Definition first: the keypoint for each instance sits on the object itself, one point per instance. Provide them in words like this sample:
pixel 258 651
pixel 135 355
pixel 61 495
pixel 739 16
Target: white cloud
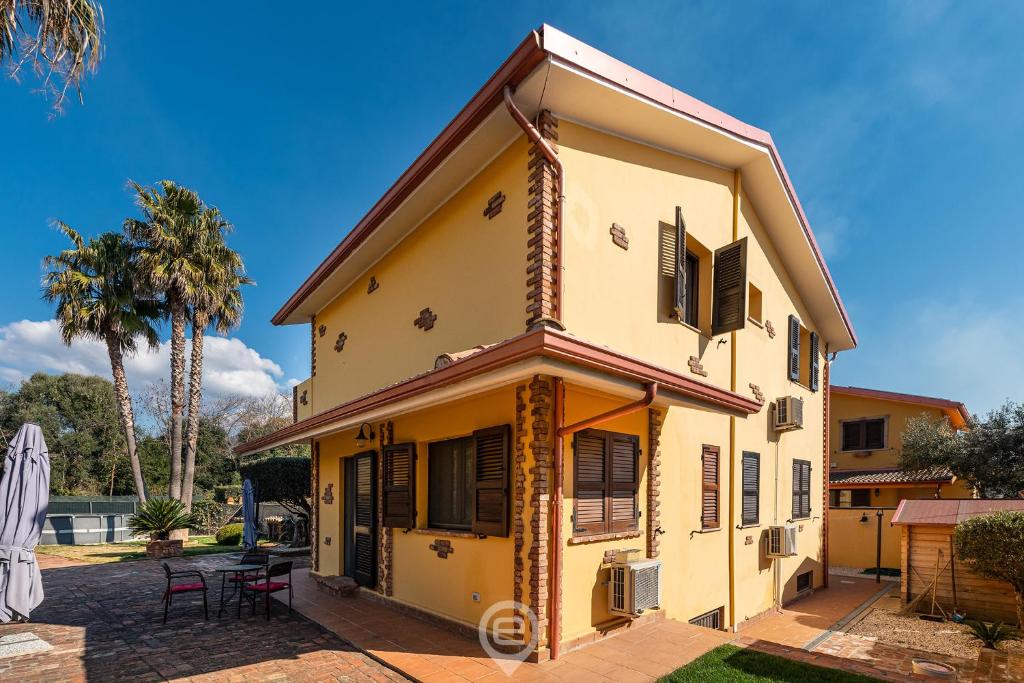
pixel 229 366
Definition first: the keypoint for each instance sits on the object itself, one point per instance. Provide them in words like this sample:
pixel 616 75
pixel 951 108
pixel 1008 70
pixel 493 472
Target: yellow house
pixel 590 318
pixel 866 439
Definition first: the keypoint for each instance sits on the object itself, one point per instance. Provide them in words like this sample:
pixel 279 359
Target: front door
pixel 361 518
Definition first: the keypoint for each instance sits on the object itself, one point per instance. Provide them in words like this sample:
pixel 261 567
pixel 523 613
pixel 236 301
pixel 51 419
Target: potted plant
pixel 158 517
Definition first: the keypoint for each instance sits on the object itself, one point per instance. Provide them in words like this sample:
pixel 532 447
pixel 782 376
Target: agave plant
pixel 993 633
pixel 158 517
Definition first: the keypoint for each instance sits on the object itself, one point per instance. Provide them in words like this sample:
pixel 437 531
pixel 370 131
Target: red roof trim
pixel 950 406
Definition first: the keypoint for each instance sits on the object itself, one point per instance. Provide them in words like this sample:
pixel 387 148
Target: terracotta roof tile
pixel 931 474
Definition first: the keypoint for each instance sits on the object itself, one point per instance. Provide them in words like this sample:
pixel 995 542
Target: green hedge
pixel 222 493
pixel 230 534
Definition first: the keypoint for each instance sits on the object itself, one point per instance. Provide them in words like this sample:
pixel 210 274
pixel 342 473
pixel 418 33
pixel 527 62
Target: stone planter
pixel 161 549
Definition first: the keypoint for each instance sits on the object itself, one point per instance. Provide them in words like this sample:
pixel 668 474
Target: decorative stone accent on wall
pixel 327 540
pixel 758 394
pixel 312 345
pixel 609 556
pixel 748 540
pixel 426 319
pixel 770 328
pixel 304 397
pixel 314 522
pixel 540 496
pixel 322 330
pixel 373 285
pixel 541 277
pixel 443 548
pixel 385 583
pixel 328 497
pixel 339 344
pixel 519 495
pixel 696 367
pixel 654 423
pixel 494 204
pixel 618 234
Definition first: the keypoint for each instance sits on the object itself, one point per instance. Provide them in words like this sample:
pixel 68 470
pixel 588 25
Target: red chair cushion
pixel 184 587
pixel 247 577
pixel 263 586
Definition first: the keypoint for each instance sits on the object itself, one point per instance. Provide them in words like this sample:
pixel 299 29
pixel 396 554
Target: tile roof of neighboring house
pixel 931 475
pixel 949 512
pixel 956 411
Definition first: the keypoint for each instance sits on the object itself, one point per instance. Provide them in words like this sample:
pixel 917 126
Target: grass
pixel 731 663
pixel 132 550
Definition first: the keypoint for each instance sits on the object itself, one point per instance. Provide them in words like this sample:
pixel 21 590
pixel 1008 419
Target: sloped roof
pixel 950 512
pixel 956 411
pixel 937 475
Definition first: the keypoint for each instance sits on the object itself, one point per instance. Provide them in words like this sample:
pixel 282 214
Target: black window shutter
pixel 874 434
pixel 625 480
pixel 815 364
pixel 751 487
pixel 793 351
pixel 709 488
pixel 729 293
pixel 801 489
pixel 679 301
pixel 590 477
pixel 491 480
pixel 852 436
pixel 400 485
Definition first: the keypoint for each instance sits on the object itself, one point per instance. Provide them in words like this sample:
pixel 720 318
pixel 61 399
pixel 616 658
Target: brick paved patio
pixel 104 622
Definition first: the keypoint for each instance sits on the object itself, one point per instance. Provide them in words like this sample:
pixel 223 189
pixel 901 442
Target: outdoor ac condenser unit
pixel 781 541
pixel 635 585
pixel 789 413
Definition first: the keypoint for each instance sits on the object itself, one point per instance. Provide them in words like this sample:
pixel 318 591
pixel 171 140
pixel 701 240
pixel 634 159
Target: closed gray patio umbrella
pixel 248 515
pixel 25 494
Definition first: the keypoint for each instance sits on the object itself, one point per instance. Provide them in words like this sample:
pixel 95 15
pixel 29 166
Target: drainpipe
pixel 737 189
pixel 561 431
pixel 549 153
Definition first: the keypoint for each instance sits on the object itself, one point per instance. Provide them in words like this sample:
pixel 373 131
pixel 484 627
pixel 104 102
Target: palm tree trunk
pixel 195 399
pixel 124 405
pixel 177 394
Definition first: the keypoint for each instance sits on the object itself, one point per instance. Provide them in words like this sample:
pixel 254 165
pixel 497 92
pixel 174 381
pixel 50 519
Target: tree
pixel 94 286
pixel 993 546
pixel 285 480
pixel 59 40
pixel 989 455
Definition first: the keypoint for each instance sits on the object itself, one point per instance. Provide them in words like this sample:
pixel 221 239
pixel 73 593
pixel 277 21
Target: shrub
pixel 230 534
pixel 993 546
pixel 206 515
pixel 158 517
pixel 222 493
pixel 991 635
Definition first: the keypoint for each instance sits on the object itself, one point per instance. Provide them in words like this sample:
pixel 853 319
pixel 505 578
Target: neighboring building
pixel 865 442
pixel 539 384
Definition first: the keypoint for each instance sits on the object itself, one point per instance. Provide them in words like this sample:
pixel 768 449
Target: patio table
pixel 238 570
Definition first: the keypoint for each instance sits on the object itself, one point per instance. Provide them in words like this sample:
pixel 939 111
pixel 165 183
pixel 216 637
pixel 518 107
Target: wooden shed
pixel 926 547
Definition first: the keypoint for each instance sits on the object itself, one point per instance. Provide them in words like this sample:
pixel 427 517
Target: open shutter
pixel 490 483
pixel 709 488
pixel 625 480
pixel 793 350
pixel 815 366
pixel 679 301
pixel 751 487
pixel 729 294
pixel 400 485
pixel 591 481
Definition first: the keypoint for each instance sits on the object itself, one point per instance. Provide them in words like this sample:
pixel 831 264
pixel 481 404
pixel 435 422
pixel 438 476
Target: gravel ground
pixel 946 638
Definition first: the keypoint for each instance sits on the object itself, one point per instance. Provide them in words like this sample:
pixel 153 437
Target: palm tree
pixel 94 287
pixel 218 300
pixel 58 39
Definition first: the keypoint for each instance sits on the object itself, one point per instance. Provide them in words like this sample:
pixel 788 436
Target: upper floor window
pixel 864 435
pixel 691 293
pixel 803 355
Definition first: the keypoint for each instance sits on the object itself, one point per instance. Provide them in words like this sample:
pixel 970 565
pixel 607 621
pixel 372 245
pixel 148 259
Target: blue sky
pixel 900 125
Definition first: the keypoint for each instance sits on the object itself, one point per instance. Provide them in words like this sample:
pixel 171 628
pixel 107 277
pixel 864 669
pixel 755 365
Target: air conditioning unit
pixel 781 541
pixel 788 413
pixel 635 585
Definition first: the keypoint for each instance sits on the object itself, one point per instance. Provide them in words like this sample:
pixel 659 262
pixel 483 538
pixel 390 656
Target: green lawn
pixel 131 550
pixel 731 663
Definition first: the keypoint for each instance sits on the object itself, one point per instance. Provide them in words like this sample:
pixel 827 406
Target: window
pixel 450 475
pixel 692 269
pixel 864 435
pixel 712 619
pixel 606 474
pixel 847 498
pixel 709 488
pixel 804 581
pixel 803 355
pixel 751 487
pixel 801 489
pixel 754 306
pixel 684 277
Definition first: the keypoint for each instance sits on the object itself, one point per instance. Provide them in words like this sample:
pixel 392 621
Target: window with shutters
pixel 801 489
pixel 450 477
pixel 850 498
pixel 751 488
pixel 709 518
pixel 686 288
pixel 468 482
pixel 864 435
pixel 606 475
pixel 803 355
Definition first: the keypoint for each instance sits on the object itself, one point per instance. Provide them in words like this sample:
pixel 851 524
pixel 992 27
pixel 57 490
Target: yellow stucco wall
pixel 857 407
pixel 468 269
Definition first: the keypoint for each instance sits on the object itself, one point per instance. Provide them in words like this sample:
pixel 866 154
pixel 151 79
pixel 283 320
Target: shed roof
pixel 949 512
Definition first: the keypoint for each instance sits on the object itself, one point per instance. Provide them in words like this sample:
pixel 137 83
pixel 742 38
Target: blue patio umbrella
pixel 25 495
pixel 248 514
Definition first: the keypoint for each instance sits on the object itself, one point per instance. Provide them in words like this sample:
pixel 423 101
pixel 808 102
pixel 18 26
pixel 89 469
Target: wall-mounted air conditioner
pixel 635 585
pixel 781 541
pixel 788 414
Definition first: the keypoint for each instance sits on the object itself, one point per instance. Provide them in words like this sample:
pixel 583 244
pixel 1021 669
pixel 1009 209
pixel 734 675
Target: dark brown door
pixel 361 518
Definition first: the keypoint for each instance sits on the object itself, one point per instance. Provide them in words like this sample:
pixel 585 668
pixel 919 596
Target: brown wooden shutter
pixel 793 350
pixel 729 294
pixel 591 481
pixel 679 301
pixel 625 481
pixel 400 485
pixel 874 434
pixel 709 488
pixel 491 480
pixel 751 487
pixel 815 364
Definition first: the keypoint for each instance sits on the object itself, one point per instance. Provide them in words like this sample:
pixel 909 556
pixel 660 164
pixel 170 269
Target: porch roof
pixel 540 351
pixel 844 479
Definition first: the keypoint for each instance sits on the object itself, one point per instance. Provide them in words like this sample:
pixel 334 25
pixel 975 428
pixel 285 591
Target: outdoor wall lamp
pixel 365 434
pixel 864 518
